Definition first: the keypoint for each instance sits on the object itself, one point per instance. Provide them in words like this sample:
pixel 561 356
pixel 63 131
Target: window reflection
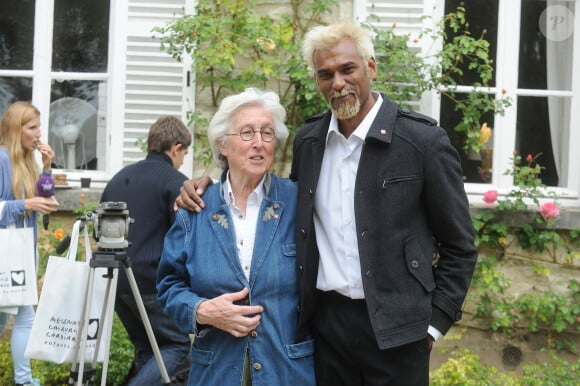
pixel 536 134
pixel 16 34
pixel 14 89
pixel 80 35
pixel 476 166
pixel 73 124
pixel 545 58
pixel 482 17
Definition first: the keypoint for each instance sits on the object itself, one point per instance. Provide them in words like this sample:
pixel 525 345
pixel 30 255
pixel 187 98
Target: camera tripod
pixel 112 260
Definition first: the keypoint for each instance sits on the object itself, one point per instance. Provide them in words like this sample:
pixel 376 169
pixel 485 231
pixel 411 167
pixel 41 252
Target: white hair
pixel 230 105
pixel 325 37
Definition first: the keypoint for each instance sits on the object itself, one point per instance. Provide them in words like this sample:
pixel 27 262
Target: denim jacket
pixel 200 261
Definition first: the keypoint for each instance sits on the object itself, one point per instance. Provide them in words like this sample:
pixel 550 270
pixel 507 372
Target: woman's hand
pixel 47 156
pixel 43 205
pixel 222 313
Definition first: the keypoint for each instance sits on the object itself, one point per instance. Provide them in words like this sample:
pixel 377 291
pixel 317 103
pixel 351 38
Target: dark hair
pixel 166 132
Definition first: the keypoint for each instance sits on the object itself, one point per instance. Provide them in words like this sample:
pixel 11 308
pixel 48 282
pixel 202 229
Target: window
pixel 16 51
pixel 61 64
pixel 540 85
pixel 533 47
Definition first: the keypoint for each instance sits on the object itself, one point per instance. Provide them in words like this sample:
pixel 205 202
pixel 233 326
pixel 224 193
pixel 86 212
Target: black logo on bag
pixel 18 278
pixel 93 329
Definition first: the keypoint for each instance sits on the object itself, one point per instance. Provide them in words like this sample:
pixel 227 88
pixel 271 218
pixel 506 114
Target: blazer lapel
pixel 318 140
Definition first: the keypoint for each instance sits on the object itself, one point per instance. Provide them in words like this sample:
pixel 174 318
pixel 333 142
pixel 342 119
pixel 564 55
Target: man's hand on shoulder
pixel 191 192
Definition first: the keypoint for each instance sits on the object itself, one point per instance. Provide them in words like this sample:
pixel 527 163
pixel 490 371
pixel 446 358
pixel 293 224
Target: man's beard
pixel 346 110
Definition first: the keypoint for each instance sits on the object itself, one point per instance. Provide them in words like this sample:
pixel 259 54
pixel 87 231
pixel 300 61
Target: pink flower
pixel 529 158
pixel 549 210
pixel 490 196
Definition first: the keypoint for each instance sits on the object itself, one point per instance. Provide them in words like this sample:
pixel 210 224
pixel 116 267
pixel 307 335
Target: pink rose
pixel 549 210
pixel 490 196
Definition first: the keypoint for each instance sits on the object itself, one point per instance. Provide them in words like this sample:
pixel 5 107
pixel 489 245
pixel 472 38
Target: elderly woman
pixel 228 275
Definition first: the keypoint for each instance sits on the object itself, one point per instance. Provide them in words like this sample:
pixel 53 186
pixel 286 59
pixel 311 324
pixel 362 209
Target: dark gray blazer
pixel 409 196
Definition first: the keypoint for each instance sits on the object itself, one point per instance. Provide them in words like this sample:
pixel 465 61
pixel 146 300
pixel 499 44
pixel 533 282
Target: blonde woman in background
pixel 19 204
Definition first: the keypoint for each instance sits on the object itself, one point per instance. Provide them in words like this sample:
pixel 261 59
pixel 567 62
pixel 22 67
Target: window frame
pixel 506 75
pixel 43 77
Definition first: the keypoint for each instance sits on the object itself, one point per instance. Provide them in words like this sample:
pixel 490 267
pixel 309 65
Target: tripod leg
pixel 147 325
pixel 108 309
pixel 82 332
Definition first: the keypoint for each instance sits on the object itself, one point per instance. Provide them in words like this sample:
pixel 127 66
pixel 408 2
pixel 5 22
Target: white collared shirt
pixel 245 225
pixel 339 269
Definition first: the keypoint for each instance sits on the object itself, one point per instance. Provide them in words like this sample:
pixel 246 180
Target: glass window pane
pixel 81 35
pixel 546 45
pixel 16 34
pixel 476 167
pixel 482 18
pixel 74 129
pixel 14 89
pixel 543 127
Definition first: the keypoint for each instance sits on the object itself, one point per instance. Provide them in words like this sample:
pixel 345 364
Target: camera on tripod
pixel 110 227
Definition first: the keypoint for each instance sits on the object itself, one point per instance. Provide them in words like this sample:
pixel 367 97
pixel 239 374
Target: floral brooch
pixel 221 219
pixel 271 212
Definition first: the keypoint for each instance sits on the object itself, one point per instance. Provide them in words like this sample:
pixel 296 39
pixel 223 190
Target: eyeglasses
pixel 247 134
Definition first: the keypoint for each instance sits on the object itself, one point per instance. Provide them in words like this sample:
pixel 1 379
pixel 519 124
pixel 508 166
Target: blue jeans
pixel 23 320
pixel 174 344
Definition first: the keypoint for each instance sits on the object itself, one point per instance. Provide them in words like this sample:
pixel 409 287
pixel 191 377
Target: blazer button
pixel 253 334
pixel 302 233
pixel 257 366
pixel 415 264
pixel 300 268
pixel 214 217
pixel 276 206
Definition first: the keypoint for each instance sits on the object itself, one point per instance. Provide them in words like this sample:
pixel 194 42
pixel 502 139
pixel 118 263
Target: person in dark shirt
pixel 150 187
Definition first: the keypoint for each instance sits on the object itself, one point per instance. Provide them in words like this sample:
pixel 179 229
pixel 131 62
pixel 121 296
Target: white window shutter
pixel 407 17
pixel 155 83
pixel 405 14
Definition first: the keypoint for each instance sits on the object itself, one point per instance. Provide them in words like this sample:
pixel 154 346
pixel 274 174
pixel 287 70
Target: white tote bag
pixel 17 267
pixel 58 316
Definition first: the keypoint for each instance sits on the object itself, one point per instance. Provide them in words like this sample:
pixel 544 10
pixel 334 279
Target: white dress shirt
pixel 339 268
pixel 245 224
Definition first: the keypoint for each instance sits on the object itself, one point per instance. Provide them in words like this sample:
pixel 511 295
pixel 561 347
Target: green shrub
pixel 464 368
pixel 556 372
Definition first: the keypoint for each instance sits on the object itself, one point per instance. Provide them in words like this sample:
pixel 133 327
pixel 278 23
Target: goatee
pixel 346 110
